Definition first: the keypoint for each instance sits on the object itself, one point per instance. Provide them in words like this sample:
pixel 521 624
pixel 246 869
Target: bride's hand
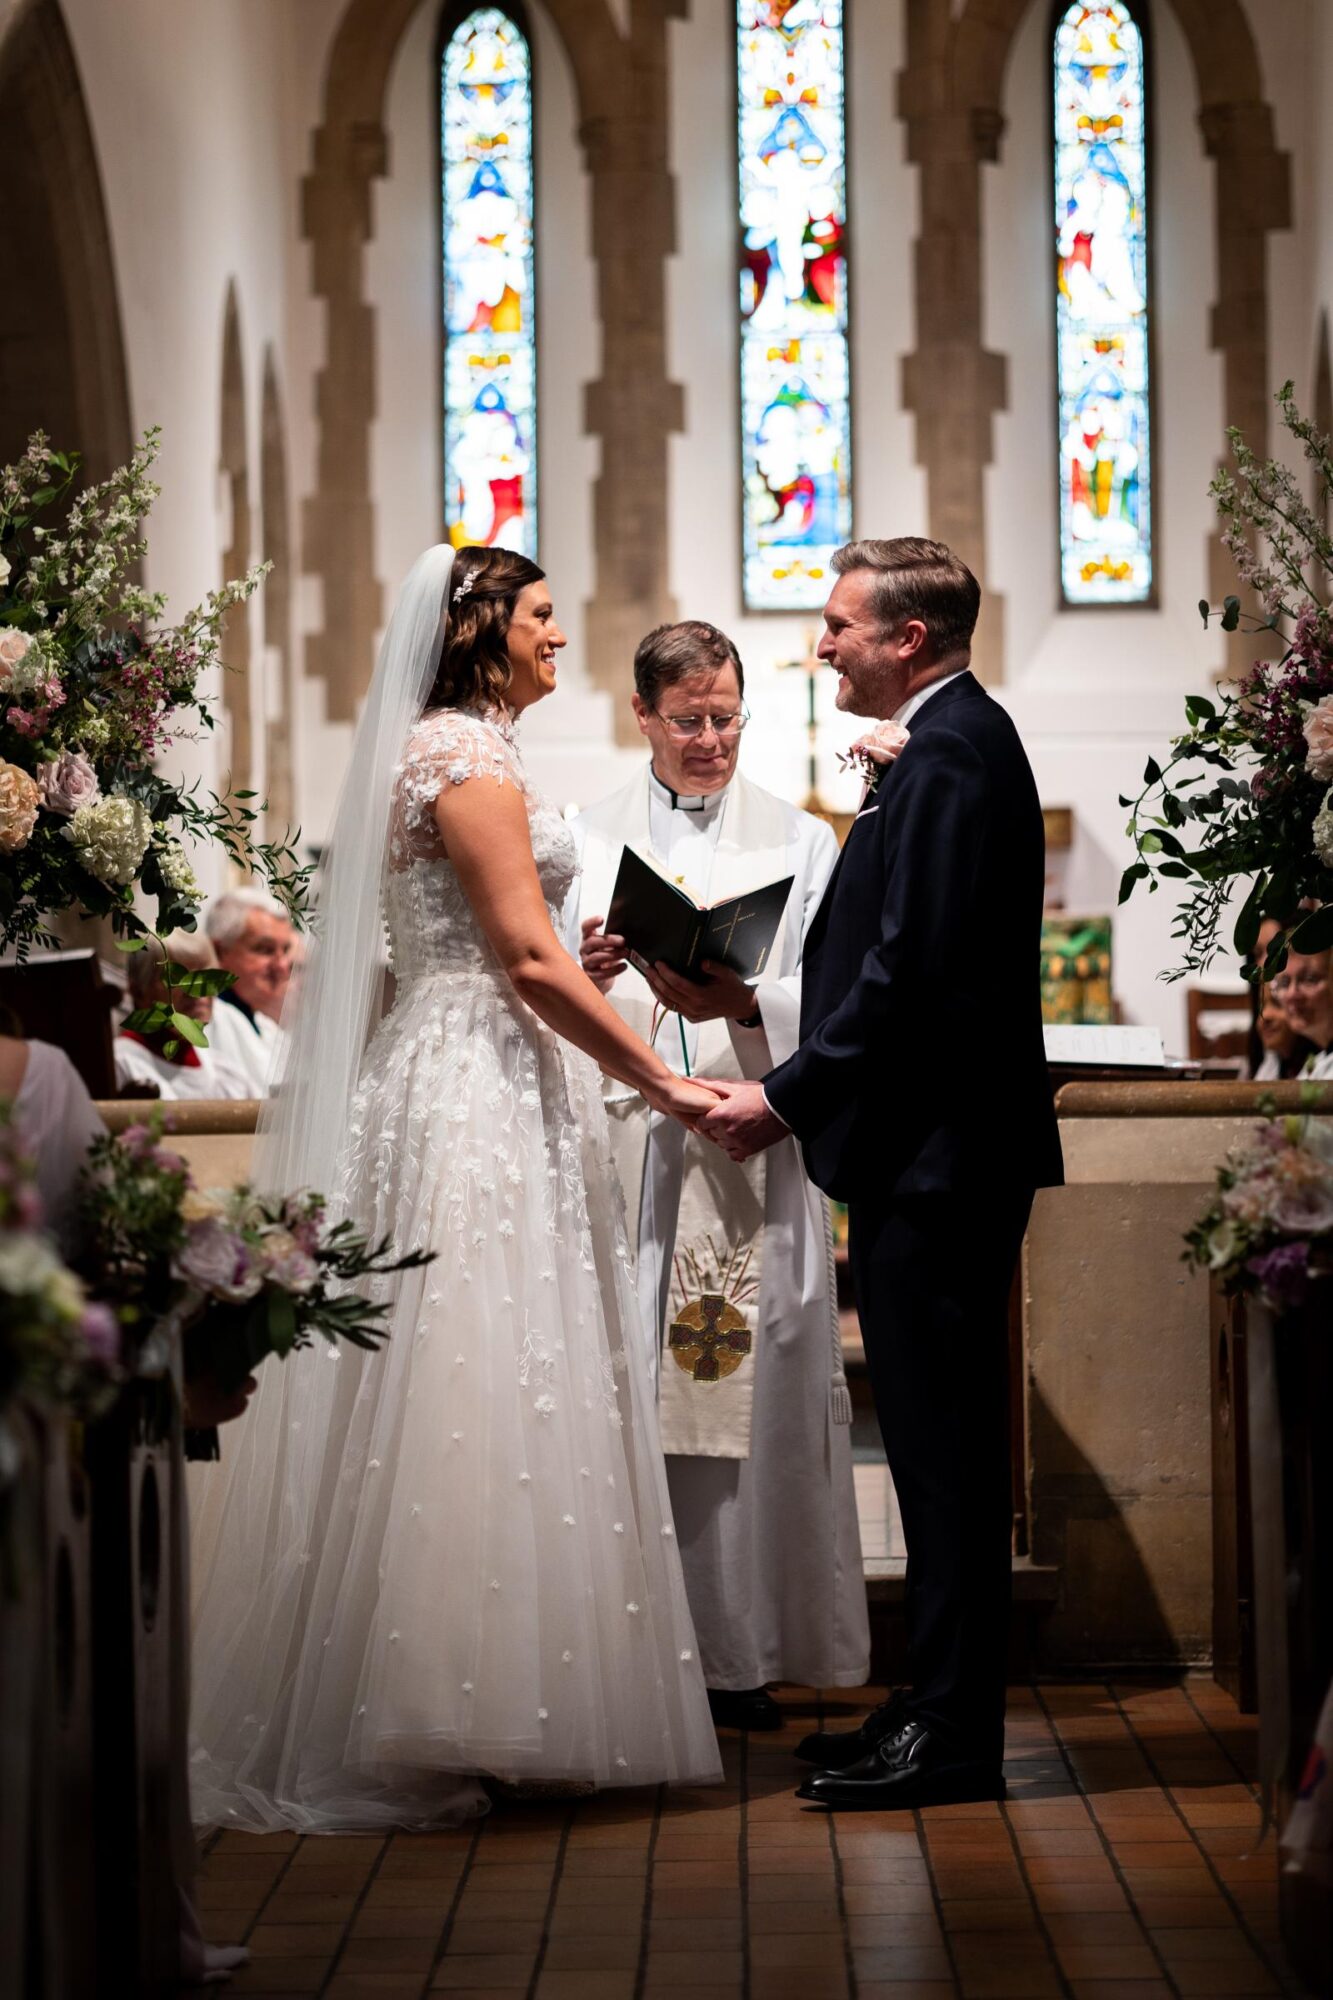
pixel 680 1098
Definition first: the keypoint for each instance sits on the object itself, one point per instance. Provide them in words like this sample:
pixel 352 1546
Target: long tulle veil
pixel 259 1514
pixel 339 1002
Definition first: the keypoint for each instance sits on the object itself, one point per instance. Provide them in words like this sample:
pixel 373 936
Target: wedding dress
pixel 482 1576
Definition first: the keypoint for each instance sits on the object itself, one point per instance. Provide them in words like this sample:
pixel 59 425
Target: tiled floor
pixel 1123 1867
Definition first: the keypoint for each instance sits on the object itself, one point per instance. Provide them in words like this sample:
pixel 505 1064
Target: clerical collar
pixel 704 805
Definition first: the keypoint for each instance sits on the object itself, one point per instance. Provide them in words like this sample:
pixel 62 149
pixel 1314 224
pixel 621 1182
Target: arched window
pixel 795 402
pixel 1103 356
pixel 490 356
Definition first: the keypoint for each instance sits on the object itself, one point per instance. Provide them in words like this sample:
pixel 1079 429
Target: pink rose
pixel 13 646
pixel 218 1261
pixel 1319 738
pixel 19 800
pixel 67 782
pixel 886 741
pixel 101 1334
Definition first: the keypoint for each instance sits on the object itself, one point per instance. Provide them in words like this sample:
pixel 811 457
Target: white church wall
pixel 188 110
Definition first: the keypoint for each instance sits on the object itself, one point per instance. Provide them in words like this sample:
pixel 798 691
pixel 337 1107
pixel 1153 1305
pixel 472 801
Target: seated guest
pixel 143 1066
pixel 253 937
pixel 1277 1051
pixel 1304 990
pixel 57 1118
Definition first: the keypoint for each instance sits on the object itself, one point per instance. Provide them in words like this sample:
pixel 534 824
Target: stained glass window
pixel 490 384
pixel 1101 224
pixel 795 407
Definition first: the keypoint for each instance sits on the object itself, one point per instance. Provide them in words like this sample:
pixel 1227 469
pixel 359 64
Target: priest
pixel 735 1268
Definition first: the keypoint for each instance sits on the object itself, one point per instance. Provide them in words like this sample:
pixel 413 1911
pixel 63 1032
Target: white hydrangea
pixel 1322 830
pixel 176 871
pixel 111 837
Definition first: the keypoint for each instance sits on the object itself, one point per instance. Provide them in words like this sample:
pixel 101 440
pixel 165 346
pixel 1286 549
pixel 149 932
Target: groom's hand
pixel 722 996
pixel 742 1124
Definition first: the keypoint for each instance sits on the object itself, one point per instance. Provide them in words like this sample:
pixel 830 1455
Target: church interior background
pixel 741 314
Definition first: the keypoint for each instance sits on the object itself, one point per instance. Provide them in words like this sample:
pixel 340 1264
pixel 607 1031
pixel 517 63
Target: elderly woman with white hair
pixel 254 938
pixel 144 1068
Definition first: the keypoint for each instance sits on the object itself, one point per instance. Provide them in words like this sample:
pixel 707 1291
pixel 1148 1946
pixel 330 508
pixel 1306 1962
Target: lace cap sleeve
pixel 445 749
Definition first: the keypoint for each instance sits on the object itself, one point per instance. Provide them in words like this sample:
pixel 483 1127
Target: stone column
pixel 634 406
pixel 952 384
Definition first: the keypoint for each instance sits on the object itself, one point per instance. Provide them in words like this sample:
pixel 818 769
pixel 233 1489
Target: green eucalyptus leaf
pixel 1152 772
pixel 1131 875
pixel 189 1031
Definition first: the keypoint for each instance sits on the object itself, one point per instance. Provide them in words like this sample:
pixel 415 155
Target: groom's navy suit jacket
pixel 921 1069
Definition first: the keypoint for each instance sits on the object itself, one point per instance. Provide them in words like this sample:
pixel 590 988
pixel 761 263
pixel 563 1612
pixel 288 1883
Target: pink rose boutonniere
pixel 872 755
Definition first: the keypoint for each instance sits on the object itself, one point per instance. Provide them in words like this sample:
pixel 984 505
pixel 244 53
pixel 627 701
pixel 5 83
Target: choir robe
pixel 770 1542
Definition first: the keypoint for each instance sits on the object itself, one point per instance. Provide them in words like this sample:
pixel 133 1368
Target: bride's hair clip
pixel 464 587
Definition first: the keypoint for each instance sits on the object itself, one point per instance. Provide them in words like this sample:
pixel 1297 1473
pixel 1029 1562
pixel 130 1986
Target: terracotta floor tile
pixel 294 1940
pixel 254 1843
pixel 1109 1961
pixel 906 1989
pixel 344 1848
pixel 792 1888
pixel 243 1867
pixel 615 1985
pixel 1091 1927
pixel 795 1919
pixel 890 1962
pixel 388 1955
pixel 1019 1982
pixel 1121 1989
pixel 695 1934
pixel 1154 1828
pixel 230 1896
pixel 1047 1813
pixel 793 1983
pixel 796 1950
pixel 988 1913
pixel 1079 1896
pixel 410 1923
pixel 603 1920
pixel 1048 1841
pixel 882 1899
pixel 478 1906
pixel 961 1879
pixel 500 1971
pixel 1212 1980
pixel 510 1876
pixel 297 1975
pixel 693 1903
pixel 1155 1853
pixel 604 1861
pixel 575 1954
pixel 415 1893
pixel 298 1906
pixel 881 1868
pixel 1069 1868
pixel 1184 1881
pixel 895 1932
pixel 374 1986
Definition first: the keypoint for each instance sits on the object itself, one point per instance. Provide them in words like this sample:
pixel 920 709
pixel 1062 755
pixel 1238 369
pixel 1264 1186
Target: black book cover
pixel 660 920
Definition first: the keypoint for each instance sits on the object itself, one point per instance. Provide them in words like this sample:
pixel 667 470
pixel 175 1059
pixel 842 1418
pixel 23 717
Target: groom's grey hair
pixel 916 578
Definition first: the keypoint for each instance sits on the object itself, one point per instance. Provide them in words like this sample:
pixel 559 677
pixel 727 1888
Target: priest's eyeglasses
pixel 687 726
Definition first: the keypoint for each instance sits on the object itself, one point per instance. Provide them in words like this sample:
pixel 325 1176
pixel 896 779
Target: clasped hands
pixel 739 1120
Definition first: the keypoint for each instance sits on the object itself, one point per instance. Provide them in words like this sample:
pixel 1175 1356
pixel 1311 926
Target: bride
pixel 454 1557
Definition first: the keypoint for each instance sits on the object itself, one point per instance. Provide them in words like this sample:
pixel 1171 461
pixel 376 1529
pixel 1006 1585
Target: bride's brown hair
pixel 474 670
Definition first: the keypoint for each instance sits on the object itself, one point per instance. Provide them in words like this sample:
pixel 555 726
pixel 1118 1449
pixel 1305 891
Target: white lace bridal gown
pixel 454 1556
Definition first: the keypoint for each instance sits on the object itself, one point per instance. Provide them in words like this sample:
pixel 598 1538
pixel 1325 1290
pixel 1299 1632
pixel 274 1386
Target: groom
pixel 931 918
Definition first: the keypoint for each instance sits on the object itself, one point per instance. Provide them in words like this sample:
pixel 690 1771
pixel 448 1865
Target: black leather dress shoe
pixel 835 1749
pixel 744 1708
pixel 909 1769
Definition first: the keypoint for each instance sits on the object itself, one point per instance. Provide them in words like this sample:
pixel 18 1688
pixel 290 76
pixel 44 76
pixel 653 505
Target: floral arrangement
pixel 243 1275
pixel 871 755
pixel 1270 1227
pixel 56 1344
pixel 1247 792
pixel 92 687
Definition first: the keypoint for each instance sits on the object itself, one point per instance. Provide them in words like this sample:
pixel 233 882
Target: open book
pixel 660 920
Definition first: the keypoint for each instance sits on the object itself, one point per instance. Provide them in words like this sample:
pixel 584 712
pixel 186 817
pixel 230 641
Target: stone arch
pixel 950 95
pixel 234 466
pixel 275 529
pixel 62 352
pixel 621 86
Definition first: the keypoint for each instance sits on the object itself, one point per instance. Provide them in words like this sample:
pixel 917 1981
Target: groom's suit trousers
pixel 932 1280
